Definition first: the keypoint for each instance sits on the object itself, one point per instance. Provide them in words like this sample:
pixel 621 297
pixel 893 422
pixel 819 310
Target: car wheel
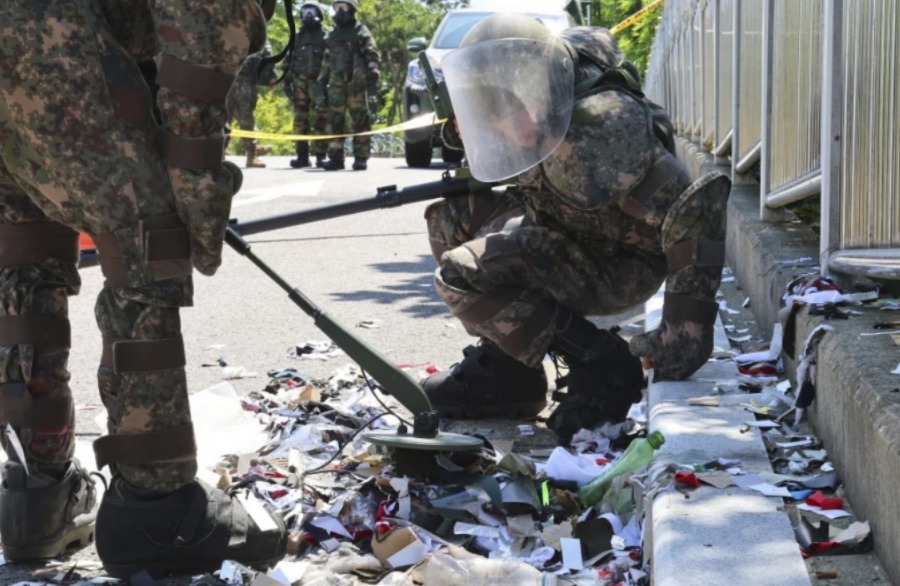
pixel 451 155
pixel 418 154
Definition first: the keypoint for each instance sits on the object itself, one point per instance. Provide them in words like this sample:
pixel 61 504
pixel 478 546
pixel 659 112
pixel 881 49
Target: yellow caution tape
pixel 635 18
pixel 423 121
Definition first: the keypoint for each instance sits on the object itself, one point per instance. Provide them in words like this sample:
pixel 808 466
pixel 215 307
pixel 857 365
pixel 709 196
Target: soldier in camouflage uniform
pixel 242 100
pixel 599 215
pixel 349 75
pixel 82 150
pixel 301 83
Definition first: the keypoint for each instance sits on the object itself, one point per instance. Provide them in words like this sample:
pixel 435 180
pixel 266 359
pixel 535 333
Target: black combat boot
pixel 192 530
pixel 488 382
pixel 41 516
pixel 320 161
pixel 334 164
pixel 604 378
pixel 359 164
pixel 302 160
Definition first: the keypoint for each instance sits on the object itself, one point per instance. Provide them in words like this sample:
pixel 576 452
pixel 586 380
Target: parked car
pixel 420 142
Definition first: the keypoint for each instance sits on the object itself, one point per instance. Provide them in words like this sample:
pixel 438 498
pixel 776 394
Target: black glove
pixel 322 98
pixel 372 82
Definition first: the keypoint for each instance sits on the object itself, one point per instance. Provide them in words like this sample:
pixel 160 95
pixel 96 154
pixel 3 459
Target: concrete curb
pixel 856 413
pixel 715 536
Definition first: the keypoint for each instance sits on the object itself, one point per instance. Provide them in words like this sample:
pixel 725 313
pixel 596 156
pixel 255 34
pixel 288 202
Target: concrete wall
pixel 857 408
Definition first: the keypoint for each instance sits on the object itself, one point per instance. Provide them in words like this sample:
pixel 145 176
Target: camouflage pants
pixel 303 99
pixel 344 99
pixel 241 105
pixel 78 148
pixel 503 274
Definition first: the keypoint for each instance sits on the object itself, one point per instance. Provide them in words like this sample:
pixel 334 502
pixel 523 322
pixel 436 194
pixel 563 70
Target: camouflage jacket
pixel 611 154
pixel 350 53
pixel 305 61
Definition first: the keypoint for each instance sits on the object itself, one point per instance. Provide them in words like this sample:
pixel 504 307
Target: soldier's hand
pixel 322 98
pixel 675 350
pixel 372 81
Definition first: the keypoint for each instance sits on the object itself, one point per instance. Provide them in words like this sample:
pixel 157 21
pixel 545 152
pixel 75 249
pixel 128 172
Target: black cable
pixel 319 469
pixel 390 411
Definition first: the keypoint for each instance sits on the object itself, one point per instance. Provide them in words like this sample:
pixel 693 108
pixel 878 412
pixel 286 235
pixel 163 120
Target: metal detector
pixel 425 434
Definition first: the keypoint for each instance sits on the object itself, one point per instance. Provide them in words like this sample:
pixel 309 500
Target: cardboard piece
pixel 398 548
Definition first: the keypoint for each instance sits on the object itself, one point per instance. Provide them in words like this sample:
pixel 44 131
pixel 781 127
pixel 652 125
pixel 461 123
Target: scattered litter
pixel 369 324
pixel 237 372
pixel 315 350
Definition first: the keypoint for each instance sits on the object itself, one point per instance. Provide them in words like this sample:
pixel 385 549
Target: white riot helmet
pixel 512 87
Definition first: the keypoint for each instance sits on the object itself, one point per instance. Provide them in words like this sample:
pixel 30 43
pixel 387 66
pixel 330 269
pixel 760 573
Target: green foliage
pixel 393 23
pixel 637 40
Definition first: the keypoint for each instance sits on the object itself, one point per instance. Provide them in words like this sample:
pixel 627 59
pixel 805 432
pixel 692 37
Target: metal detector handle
pixel 395 381
pixel 386 197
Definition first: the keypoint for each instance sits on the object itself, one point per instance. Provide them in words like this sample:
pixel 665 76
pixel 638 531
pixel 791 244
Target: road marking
pixel 263 194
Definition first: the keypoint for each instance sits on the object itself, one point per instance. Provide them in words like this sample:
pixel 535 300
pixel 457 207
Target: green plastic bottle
pixel 639 453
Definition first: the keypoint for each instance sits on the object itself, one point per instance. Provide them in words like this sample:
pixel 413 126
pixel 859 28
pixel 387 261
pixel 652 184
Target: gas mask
pixel 344 15
pixel 309 18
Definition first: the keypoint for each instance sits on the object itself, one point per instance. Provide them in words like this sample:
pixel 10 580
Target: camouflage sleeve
pixel 325 72
pixel 267 74
pixel 368 49
pixel 202 46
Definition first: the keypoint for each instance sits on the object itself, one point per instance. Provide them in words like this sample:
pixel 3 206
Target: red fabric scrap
pixel 818 499
pixel 386 510
pixel 278 493
pixel 820 546
pixel 688 479
pixel 763 368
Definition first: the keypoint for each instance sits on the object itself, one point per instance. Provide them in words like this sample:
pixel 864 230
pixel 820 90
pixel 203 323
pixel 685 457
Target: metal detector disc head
pixel 442 442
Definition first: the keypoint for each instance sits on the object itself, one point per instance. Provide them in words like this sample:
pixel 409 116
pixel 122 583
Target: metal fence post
pixel 832 112
pixel 736 177
pixel 765 138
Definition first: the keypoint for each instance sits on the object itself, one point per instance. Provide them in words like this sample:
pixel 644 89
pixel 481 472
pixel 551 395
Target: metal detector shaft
pixel 395 381
pixel 387 197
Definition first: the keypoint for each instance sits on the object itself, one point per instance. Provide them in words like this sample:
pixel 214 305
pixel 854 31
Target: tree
pixel 393 23
pixel 637 40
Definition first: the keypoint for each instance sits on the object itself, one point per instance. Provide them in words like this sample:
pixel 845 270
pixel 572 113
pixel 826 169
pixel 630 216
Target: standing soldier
pixel 243 97
pixel 350 71
pixel 300 82
pixel 81 151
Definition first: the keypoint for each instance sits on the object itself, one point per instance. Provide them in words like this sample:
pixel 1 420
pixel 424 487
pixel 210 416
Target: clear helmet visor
pixel 513 102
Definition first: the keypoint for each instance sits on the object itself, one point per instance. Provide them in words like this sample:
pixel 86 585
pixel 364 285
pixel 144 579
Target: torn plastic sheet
pixel 806 367
pixel 445 570
pixel 773 352
pixel 823 539
pixel 580 468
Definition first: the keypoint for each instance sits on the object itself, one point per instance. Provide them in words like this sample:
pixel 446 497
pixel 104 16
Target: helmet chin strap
pixel 289 48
